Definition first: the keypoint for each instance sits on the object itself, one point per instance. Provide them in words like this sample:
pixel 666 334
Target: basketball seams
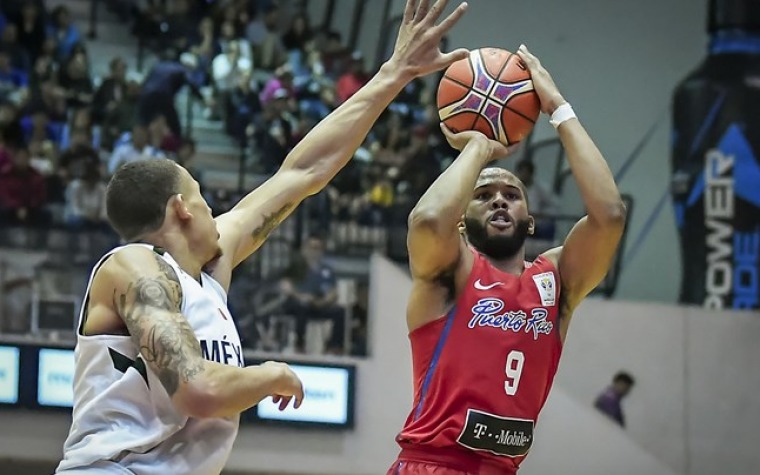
pixel 472 89
pixel 488 97
pixel 459 83
pixel 496 81
pixel 506 106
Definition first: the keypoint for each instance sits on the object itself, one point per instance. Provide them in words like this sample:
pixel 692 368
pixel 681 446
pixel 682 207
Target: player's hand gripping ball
pixel 490 91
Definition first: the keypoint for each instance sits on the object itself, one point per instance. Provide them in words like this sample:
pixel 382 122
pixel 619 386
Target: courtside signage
pixel 9 371
pixel 55 378
pixel 327 393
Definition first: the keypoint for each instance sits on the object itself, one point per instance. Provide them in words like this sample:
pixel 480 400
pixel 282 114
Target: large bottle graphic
pixel 716 163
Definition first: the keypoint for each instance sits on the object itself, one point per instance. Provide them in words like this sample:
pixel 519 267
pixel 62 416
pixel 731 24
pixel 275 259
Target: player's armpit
pixel 587 254
pixel 434 248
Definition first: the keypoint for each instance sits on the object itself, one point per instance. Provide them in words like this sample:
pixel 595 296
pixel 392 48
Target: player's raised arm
pixel 147 295
pixel 331 144
pixel 434 240
pixel 587 253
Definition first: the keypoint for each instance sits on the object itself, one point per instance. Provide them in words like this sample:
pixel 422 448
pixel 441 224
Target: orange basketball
pixel 490 91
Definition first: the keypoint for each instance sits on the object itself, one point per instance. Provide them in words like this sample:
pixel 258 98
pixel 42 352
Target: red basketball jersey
pixel 483 372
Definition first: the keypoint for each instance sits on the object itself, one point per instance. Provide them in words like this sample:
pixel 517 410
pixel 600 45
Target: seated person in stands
pixel 23 193
pixel 133 148
pixel 311 290
pixel 86 200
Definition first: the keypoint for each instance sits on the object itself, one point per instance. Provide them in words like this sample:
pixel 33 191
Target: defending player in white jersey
pixel 146 401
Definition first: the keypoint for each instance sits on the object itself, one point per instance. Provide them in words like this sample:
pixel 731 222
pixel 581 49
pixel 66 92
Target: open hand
pixel 417 49
pixel 548 93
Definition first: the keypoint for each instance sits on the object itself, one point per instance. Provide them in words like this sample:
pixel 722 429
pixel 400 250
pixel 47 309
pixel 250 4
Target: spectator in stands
pixel 268 50
pixel 11 132
pixel 542 201
pixel 123 117
pixel 274 131
pixel 74 78
pixel 180 26
pixel 353 79
pixel 160 88
pixel 22 192
pixel 298 34
pixel 609 401
pixel 205 46
pixel 185 155
pixel 75 160
pixel 64 32
pixel 229 35
pixel 39 128
pixel 111 91
pixel 43 71
pixel 311 288
pixel 281 81
pixel 31 30
pixel 13 81
pixel 85 201
pixel 392 136
pixel 48 98
pixel 80 125
pixel 335 55
pixel 379 198
pixel 17 54
pixel 227 69
pixel 134 148
pixel 238 14
pixel 244 108
pixel 161 136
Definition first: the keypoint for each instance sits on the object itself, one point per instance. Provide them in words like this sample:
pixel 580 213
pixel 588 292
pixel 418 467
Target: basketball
pixel 490 91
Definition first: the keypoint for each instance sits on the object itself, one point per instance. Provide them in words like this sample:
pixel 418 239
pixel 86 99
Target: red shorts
pixel 413 461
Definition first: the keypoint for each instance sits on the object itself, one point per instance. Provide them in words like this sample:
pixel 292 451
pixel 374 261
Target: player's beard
pixel 496 247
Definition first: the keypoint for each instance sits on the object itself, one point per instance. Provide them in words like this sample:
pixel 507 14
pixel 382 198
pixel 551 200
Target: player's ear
pixel 531 225
pixel 461 227
pixel 179 205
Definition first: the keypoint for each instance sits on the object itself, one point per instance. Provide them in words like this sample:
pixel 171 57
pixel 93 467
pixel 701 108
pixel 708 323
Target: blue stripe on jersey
pixel 434 361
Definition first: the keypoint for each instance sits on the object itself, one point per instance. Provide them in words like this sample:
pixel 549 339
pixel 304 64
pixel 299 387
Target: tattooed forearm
pixel 150 308
pixel 270 222
pixel 168 345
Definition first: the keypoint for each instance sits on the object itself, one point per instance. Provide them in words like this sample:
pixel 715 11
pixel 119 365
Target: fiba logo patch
pixel 546 288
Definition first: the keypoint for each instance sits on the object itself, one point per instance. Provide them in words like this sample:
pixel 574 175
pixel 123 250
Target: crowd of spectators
pixel 270 76
pixel 63 132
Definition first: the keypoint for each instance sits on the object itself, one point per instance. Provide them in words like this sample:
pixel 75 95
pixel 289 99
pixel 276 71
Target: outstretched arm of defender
pixel 147 295
pixel 587 253
pixel 331 144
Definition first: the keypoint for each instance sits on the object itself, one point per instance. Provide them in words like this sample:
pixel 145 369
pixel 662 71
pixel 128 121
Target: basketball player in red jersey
pixel 487 327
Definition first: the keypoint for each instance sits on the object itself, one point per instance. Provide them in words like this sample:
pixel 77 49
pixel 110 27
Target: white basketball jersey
pixel 123 418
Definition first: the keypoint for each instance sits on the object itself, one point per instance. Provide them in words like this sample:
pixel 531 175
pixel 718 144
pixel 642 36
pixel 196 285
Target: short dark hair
pixel 623 377
pixel 137 194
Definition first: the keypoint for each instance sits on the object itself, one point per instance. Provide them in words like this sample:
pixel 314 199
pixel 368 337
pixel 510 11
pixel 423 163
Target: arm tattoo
pixel 150 308
pixel 270 222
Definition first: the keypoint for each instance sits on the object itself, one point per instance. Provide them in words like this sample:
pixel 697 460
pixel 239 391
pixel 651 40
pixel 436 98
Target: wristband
pixel 561 114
